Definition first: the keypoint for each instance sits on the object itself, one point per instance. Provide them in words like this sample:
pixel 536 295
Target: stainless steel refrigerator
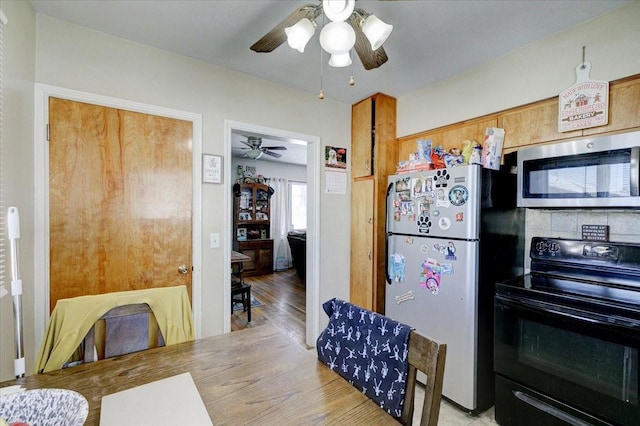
pixel 451 235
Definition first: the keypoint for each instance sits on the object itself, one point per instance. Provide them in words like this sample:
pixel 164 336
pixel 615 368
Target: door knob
pixel 183 269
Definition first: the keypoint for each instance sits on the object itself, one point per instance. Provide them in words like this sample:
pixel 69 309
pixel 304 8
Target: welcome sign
pixel 585 104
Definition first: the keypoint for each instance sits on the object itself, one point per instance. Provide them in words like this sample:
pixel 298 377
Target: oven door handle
pixel 573 313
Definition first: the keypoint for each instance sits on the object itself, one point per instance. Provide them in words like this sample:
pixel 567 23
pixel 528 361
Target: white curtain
pixel 280 224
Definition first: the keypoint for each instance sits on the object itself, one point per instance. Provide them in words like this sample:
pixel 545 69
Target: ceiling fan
pixel 256 150
pixel 370 32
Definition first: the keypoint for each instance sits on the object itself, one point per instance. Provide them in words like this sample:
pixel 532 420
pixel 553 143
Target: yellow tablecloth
pixel 72 319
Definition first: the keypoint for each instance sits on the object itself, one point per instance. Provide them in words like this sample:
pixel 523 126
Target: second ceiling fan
pixel 256 150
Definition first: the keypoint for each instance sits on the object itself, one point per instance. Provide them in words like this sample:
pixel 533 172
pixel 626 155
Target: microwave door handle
pixel 634 172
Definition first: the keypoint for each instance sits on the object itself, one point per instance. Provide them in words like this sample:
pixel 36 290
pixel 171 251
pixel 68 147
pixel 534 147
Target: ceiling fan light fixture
pixel 337 37
pixel 254 154
pixel 298 35
pixel 340 60
pixel 338 10
pixel 376 31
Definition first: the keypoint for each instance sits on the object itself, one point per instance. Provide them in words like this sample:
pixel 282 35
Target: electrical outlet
pixel 214 240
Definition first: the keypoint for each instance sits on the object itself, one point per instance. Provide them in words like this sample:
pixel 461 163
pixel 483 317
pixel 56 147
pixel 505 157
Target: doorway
pixel 313 150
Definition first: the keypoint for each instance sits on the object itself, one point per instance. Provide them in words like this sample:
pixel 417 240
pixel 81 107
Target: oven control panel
pixel 600 251
pixel 574 251
pixel 550 247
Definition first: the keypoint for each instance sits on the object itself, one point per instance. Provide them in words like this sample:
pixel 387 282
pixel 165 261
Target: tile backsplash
pixel 624 225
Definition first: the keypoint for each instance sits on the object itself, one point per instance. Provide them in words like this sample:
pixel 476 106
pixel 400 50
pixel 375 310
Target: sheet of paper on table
pixel 171 401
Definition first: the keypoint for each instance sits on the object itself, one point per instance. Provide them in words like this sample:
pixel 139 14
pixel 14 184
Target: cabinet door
pixel 260 253
pixel 624 110
pixel 533 124
pixel 362 238
pixel 361 138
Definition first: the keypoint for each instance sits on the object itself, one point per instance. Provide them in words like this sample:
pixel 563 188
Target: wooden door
pixel 120 198
pixel 362 199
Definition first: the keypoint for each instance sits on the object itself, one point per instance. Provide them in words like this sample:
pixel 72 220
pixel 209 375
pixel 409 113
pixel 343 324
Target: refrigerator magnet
pixel 450 253
pixel 446 268
pixel 458 195
pixel 424 224
pixel 444 223
pixel 442 177
pixel 404 297
pixel 430 275
pixel 397 267
pixel 442 200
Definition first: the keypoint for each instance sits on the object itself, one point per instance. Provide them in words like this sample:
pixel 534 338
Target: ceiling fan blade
pixel 273 154
pixel 277 36
pixel 247 144
pixel 275 147
pixel 370 58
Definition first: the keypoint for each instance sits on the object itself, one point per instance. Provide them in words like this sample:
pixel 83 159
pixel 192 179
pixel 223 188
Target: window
pixel 298 205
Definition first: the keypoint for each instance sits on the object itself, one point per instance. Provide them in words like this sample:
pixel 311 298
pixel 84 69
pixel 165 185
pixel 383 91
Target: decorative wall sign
pixel 595 232
pixel 585 104
pixel 211 168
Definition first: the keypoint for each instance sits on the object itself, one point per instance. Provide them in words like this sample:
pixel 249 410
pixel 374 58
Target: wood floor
pixel 283 295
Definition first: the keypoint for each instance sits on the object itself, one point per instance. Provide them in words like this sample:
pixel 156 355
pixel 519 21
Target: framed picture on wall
pixel 211 168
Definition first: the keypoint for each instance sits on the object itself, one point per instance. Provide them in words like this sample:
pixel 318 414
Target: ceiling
pixel 431 40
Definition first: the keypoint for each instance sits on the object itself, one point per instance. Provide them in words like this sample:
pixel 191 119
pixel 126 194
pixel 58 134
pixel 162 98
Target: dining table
pixel 258 375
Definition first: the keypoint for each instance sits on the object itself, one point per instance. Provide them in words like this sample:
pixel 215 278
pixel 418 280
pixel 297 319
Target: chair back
pixel 427 356
pixel 122 330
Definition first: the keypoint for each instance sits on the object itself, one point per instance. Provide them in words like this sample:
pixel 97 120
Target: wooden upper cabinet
pixel 362 140
pixel 532 124
pixel 538 122
pixel 624 107
pixel 373 134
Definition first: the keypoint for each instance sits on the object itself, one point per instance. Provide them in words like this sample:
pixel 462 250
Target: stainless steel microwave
pixel 597 172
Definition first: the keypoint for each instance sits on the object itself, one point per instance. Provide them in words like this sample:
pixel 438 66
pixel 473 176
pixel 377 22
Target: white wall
pixel 538 71
pixel 271 169
pixel 19 71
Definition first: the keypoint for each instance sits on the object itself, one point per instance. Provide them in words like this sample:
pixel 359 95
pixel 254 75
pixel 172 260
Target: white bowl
pixel 45 407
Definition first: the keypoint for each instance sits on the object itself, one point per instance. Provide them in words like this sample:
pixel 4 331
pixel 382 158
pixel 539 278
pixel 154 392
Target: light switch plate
pixel 214 240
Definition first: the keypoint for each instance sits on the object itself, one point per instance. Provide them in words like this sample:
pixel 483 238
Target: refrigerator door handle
pixel 386 238
pixel 386 258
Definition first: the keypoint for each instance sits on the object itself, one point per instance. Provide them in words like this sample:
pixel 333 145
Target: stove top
pixel 574 272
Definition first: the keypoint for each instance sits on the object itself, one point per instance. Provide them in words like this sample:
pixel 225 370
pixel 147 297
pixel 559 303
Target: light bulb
pixel 299 34
pixel 337 37
pixel 376 31
pixel 340 60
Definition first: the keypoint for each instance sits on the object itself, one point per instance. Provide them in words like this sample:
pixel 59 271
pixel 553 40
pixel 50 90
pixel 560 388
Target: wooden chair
pixel 122 330
pixel 427 356
pixel 241 293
